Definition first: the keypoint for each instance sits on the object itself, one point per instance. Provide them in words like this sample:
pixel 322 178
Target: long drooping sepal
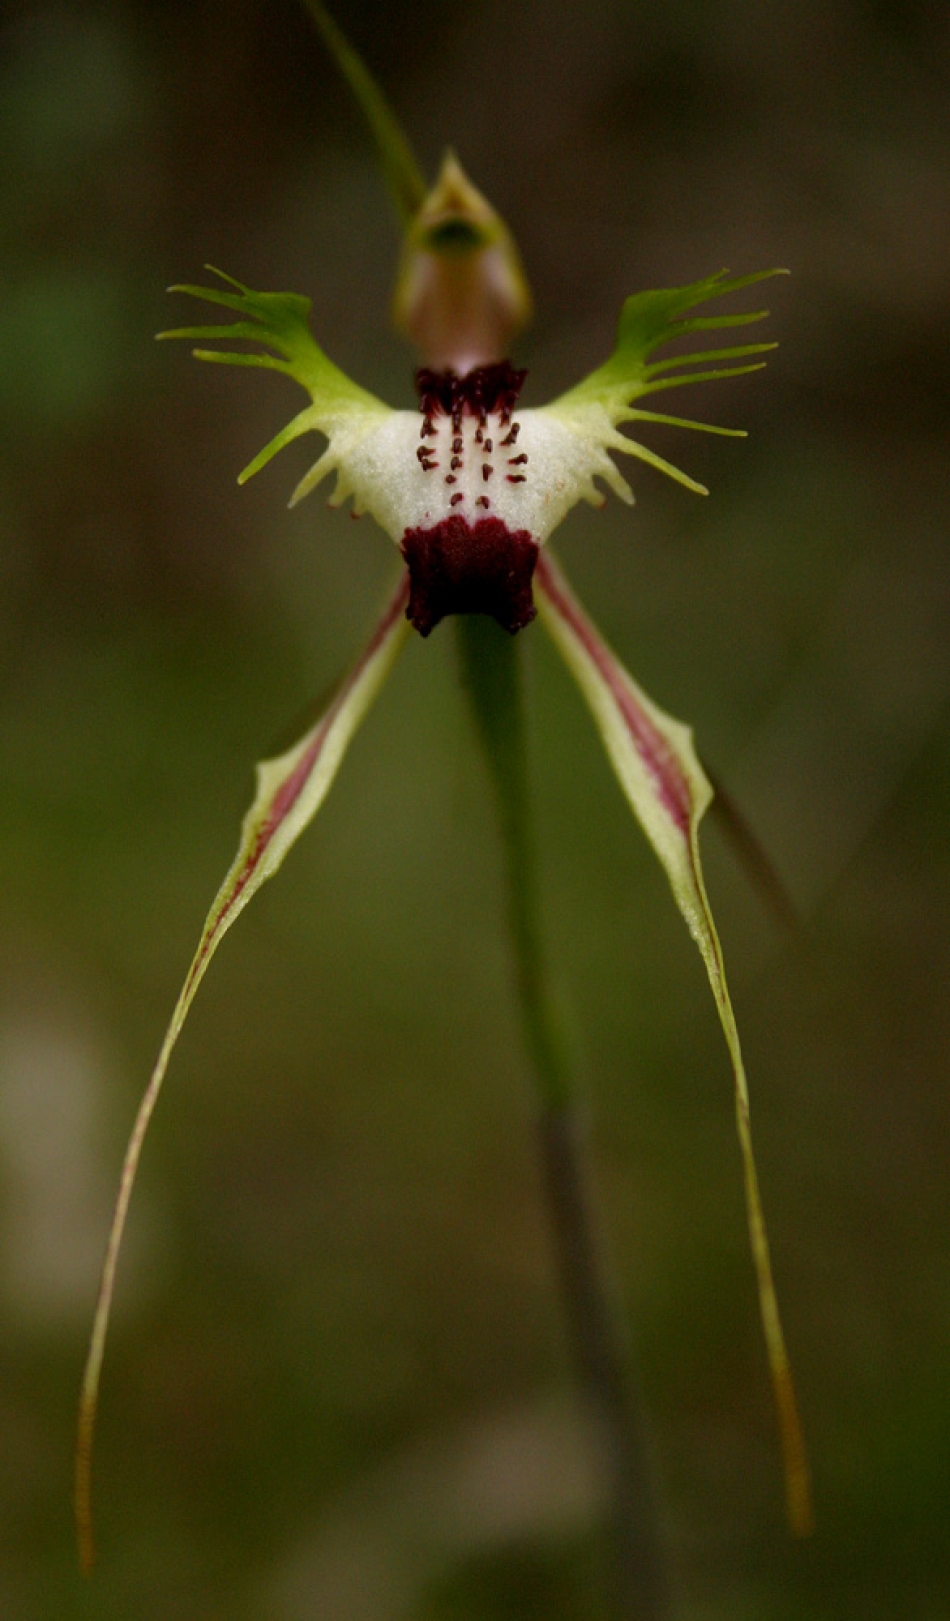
pixel 668 791
pixel 290 790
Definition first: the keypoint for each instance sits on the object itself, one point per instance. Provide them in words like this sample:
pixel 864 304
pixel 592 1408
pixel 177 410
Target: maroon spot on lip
pixel 479 393
pixel 460 567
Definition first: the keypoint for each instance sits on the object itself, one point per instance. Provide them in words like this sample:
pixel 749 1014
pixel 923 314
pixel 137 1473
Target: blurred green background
pixel 337 1386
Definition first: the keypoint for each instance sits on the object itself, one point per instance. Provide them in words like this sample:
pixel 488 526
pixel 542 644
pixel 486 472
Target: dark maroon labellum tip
pixel 481 392
pixel 457 567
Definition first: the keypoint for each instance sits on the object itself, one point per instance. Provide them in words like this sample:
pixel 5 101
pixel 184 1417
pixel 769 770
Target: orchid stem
pixel 396 157
pixel 492 675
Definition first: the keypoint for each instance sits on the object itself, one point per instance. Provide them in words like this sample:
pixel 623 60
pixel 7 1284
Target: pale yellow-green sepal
pixel 290 790
pixel 668 791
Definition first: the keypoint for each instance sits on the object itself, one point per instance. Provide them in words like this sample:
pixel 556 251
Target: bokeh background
pixel 337 1385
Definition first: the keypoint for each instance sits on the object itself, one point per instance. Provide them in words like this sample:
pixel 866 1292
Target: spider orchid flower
pixel 469 487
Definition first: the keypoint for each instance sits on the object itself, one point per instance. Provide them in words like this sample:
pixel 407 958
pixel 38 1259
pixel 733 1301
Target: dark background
pixel 337 1385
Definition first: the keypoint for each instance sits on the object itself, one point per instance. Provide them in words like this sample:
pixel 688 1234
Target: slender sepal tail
pixel 290 790
pixel 654 759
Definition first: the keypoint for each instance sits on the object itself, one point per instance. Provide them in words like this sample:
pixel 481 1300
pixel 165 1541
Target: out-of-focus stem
pixel 492 673
pixel 395 154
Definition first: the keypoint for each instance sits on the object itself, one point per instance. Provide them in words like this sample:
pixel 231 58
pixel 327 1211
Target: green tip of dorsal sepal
pixel 402 173
pixel 652 319
pixel 461 294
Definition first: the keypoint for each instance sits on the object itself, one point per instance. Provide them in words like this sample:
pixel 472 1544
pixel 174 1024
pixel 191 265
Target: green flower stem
pixel 395 154
pixel 492 675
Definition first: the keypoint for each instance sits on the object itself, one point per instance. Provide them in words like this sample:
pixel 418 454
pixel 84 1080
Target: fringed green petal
pixel 704 356
pixel 687 422
pixel 302 423
pixel 225 357
pixel 697 377
pixel 649 320
pixel 632 447
pixel 279 321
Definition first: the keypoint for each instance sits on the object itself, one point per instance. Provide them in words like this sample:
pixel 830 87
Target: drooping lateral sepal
pixel 668 791
pixel 290 791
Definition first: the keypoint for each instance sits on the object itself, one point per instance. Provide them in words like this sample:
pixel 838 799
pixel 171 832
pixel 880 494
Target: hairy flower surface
pixel 469 487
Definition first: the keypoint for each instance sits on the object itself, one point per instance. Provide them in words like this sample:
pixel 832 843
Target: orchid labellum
pixel 469 487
